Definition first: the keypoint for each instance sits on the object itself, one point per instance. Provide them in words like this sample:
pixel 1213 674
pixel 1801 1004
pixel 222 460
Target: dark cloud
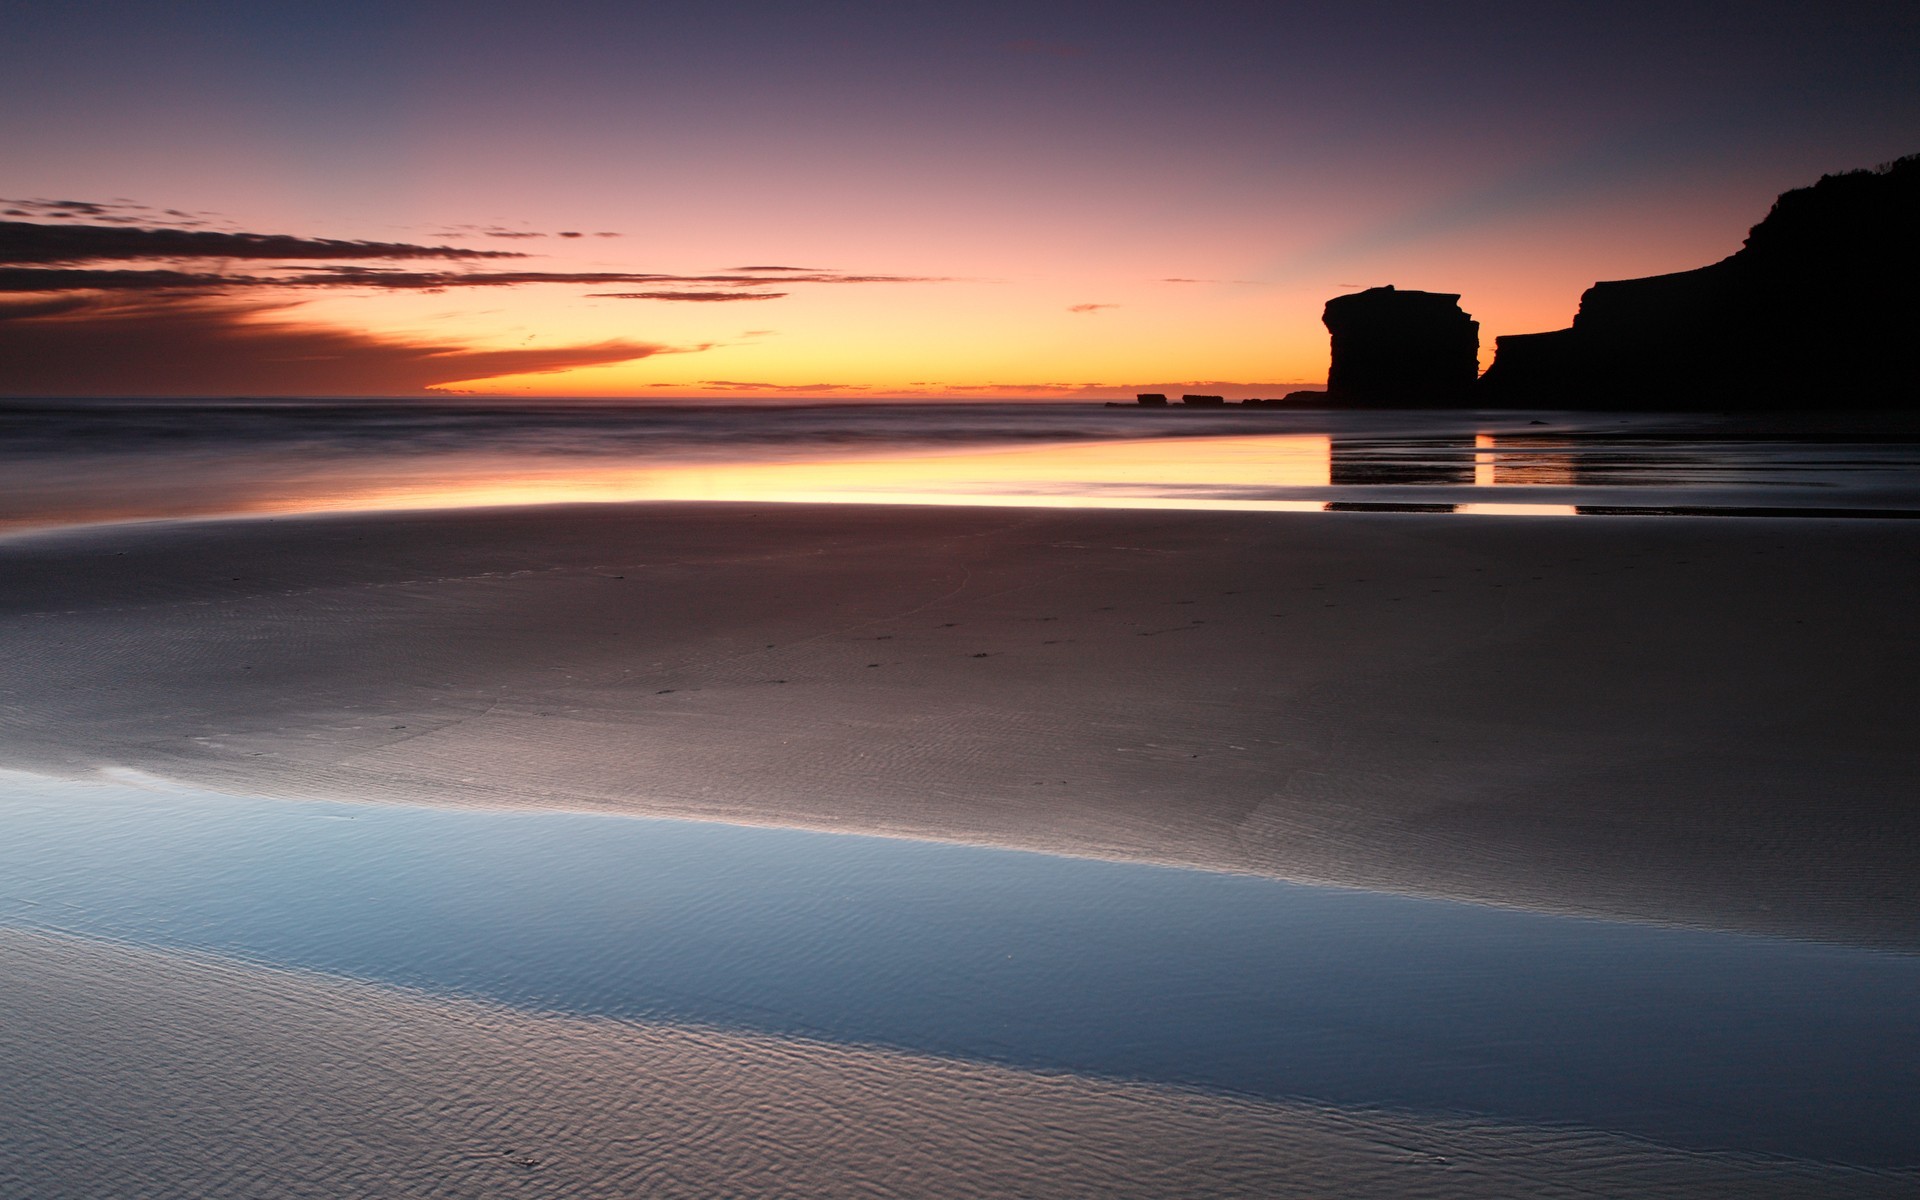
pixel 387 277
pixel 335 275
pixel 111 212
pixel 37 279
pixel 50 306
pixel 396 280
pixel 571 233
pixel 27 242
pixel 1089 308
pixel 490 231
pixel 830 277
pixel 48 260
pixel 693 297
pixel 151 346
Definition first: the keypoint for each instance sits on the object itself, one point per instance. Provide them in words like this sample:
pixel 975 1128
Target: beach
pixel 1691 721
pixel 1050 817
pixel 171 1074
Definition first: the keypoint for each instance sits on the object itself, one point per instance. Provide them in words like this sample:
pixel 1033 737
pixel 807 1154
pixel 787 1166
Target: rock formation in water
pixel 1401 349
pixel 1819 309
pixel 1203 401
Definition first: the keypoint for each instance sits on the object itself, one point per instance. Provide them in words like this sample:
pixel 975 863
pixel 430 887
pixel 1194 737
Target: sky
pixel 746 200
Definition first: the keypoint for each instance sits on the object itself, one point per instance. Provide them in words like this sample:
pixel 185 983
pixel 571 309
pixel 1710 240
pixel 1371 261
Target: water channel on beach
pixel 1224 982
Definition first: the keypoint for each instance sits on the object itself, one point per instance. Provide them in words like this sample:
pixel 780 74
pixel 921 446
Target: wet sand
pixel 1689 720
pixel 131 1072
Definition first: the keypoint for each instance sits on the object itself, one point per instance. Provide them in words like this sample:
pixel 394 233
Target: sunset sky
pixel 872 200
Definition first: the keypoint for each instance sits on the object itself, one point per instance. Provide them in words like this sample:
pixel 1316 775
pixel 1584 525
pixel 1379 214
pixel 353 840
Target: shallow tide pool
pixel 1181 977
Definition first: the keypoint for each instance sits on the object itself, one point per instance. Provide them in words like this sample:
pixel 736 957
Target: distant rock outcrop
pixel 1819 309
pixel 1401 349
pixel 1203 401
pixel 1151 399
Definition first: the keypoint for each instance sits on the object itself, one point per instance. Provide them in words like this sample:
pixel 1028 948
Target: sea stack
pixel 1401 349
pixel 1817 310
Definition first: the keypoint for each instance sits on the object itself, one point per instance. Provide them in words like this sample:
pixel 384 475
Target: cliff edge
pixel 1818 309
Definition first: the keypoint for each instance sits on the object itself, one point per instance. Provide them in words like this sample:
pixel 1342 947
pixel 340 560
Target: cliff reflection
pixel 1522 460
pixel 1463 460
pixel 1402 462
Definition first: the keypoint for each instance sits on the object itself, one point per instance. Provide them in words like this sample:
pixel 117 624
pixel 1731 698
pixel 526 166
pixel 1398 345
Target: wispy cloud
pixel 691 297
pixel 1089 308
pixel 149 346
pixel 47 256
pixel 36 279
pixel 108 212
pixel 35 243
pixel 1179 279
pixel 503 231
pixel 102 299
pixel 66 279
pixel 17 279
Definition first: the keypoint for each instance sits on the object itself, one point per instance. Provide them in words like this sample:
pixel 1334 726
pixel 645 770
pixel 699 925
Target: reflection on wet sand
pixel 1316 462
pixel 1226 472
pixel 1591 715
pixel 1517 460
pixel 1117 472
pixel 1422 462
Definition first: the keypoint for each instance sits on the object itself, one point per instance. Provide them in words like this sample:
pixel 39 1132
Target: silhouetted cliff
pixel 1401 349
pixel 1817 310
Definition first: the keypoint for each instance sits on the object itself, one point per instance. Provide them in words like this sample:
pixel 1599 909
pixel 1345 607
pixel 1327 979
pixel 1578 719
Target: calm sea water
pixel 1242 984
pixel 80 462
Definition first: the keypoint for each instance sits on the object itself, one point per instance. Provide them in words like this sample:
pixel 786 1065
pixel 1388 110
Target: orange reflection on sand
pixel 1500 509
pixel 1132 474
pixel 1517 460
